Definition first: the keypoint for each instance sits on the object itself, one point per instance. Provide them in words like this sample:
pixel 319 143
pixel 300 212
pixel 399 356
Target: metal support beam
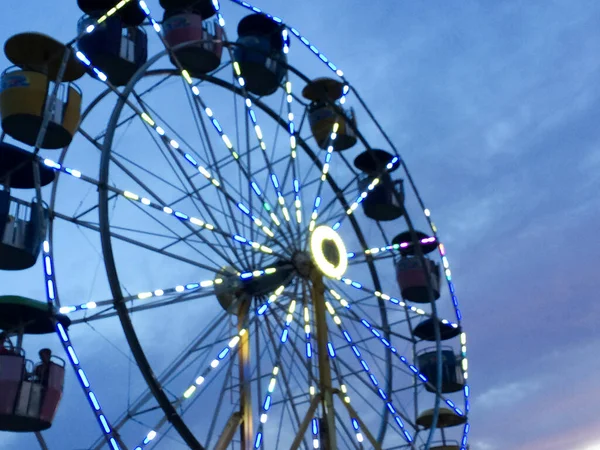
pixel 325 388
pixel 245 371
pixel 229 431
pixel 314 404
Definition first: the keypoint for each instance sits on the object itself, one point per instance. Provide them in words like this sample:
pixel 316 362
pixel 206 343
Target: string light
pixel 65 340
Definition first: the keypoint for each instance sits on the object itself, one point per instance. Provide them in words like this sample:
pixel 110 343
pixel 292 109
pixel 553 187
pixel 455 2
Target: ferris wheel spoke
pixel 385 396
pixel 268 399
pixel 287 371
pixel 394 300
pixel 130 196
pixel 350 308
pixel 188 184
pixel 174 145
pixel 138 244
pixel 177 365
pixel 195 389
pixel 105 310
pixel 197 98
pixel 180 216
pixel 231 349
pixel 248 103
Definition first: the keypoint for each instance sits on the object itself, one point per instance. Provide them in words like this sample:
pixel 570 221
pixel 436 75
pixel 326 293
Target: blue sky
pixel 495 108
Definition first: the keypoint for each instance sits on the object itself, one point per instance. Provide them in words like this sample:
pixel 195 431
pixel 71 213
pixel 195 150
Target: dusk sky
pixel 495 108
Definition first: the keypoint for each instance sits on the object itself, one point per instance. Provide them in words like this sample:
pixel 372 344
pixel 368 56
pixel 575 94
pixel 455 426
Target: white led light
pixel 318 236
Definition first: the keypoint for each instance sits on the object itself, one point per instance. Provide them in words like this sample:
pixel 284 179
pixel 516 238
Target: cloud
pixel 506 395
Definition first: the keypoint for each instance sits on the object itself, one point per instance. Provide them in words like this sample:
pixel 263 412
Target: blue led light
pixel 191 159
pixel 256 188
pixel 262 309
pixel 83 378
pixel 258 440
pixel 331 350
pixel 181 215
pixel 275 181
pixel 224 353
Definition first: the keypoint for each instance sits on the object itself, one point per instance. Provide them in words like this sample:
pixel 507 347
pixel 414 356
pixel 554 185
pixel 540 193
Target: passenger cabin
pixel 425 330
pixel 182 26
pixel 204 8
pixel 260 55
pixel 410 273
pixel 452 375
pixel 26 88
pixel 384 199
pixel 29 392
pixel 22 224
pixel 446 418
pixel 330 123
pixel 131 13
pixel 113 47
pixel 446 445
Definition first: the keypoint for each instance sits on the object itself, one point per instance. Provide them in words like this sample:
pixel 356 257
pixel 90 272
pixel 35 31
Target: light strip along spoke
pixel 412 367
pixel 217 126
pixel 394 300
pixel 192 193
pixel 363 195
pixel 392 247
pixel 179 289
pixel 259 135
pixel 272 299
pixel 293 152
pixel 231 348
pixel 324 172
pixel 296 33
pixel 266 405
pixel 379 335
pixel 52 298
pixel 346 398
pixel 165 209
pixel 174 144
pixel 315 432
pixel 384 396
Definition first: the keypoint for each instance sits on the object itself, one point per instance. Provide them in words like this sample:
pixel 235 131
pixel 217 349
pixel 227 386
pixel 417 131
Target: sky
pixel 494 106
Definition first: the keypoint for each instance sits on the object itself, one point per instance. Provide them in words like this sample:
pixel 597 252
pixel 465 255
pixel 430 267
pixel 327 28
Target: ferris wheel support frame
pixel 318 300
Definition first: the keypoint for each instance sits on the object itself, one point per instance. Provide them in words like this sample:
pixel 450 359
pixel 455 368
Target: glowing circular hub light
pixel 328 252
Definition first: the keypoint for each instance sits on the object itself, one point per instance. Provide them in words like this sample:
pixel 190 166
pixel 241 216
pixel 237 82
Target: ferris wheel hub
pixel 328 252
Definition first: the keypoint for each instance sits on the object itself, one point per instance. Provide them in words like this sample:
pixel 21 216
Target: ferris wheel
pixel 267 265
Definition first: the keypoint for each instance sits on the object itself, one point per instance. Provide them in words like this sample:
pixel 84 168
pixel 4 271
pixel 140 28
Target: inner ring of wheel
pixel 110 264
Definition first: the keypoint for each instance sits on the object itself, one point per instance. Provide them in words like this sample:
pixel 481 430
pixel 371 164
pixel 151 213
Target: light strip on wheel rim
pixel 65 340
pixel 296 33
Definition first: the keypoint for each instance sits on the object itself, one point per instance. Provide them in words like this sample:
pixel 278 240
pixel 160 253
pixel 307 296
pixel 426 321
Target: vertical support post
pixel 246 431
pixel 318 299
